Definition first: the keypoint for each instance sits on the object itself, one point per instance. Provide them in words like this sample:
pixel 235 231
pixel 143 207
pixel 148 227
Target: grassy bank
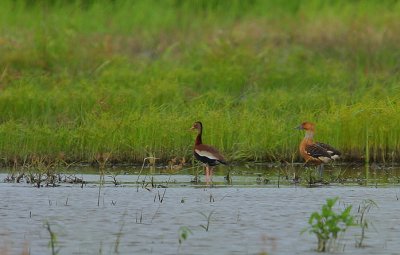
pixel 129 78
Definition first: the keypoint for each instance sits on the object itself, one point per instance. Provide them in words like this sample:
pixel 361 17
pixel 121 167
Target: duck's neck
pixel 308 138
pixel 198 138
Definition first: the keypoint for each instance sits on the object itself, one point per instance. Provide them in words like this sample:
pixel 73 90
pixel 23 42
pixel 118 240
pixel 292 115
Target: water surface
pixel 249 217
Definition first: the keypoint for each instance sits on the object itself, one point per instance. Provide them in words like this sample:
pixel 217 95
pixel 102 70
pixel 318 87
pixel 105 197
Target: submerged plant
pixel 328 224
pixel 183 234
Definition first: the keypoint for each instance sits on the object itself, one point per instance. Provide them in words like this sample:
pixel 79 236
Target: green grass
pixel 80 78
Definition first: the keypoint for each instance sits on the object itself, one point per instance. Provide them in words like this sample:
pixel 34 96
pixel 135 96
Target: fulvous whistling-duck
pixel 205 153
pixel 315 152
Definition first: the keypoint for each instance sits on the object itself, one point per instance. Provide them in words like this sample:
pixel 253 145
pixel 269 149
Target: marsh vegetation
pixel 82 78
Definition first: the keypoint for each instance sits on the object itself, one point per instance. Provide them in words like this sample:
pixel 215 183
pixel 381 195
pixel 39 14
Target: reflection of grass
pixel 145 70
pixel 119 234
pixel 267 242
pixel 4 250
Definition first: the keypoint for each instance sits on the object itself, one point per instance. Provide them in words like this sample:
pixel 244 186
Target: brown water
pixel 247 218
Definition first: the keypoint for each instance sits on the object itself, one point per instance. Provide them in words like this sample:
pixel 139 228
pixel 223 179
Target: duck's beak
pixel 299 127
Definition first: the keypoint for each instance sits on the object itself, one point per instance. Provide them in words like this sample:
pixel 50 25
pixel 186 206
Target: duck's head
pixel 308 126
pixel 197 126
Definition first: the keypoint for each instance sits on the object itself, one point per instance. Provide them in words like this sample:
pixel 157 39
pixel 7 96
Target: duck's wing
pixel 209 152
pixel 334 153
pixel 318 152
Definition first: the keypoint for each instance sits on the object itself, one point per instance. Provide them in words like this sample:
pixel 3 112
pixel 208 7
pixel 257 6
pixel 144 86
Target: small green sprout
pixel 328 224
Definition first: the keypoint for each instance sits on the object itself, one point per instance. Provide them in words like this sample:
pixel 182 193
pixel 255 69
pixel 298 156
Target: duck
pixel 316 153
pixel 206 154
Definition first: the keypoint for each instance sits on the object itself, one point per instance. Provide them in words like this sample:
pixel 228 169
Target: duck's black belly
pixel 205 160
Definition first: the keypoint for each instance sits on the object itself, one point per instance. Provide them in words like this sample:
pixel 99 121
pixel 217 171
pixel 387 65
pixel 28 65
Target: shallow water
pixel 247 218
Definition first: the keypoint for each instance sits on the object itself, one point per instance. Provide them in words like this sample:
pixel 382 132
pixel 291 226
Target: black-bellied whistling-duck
pixel 205 153
pixel 315 152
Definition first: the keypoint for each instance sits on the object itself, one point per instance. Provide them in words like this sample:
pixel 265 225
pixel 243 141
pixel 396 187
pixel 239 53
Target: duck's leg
pixel 211 174
pixel 207 174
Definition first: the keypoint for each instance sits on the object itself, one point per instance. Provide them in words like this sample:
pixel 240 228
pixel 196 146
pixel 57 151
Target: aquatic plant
pixel 101 159
pixel 53 242
pixel 113 176
pixel 212 198
pixel 151 161
pixel 40 171
pixel 228 177
pixel 208 219
pixel 328 224
pixel 139 219
pixel 160 196
pixel 310 176
pixel 363 210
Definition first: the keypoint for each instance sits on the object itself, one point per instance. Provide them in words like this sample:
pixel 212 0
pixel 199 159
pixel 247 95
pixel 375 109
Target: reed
pixel 81 78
